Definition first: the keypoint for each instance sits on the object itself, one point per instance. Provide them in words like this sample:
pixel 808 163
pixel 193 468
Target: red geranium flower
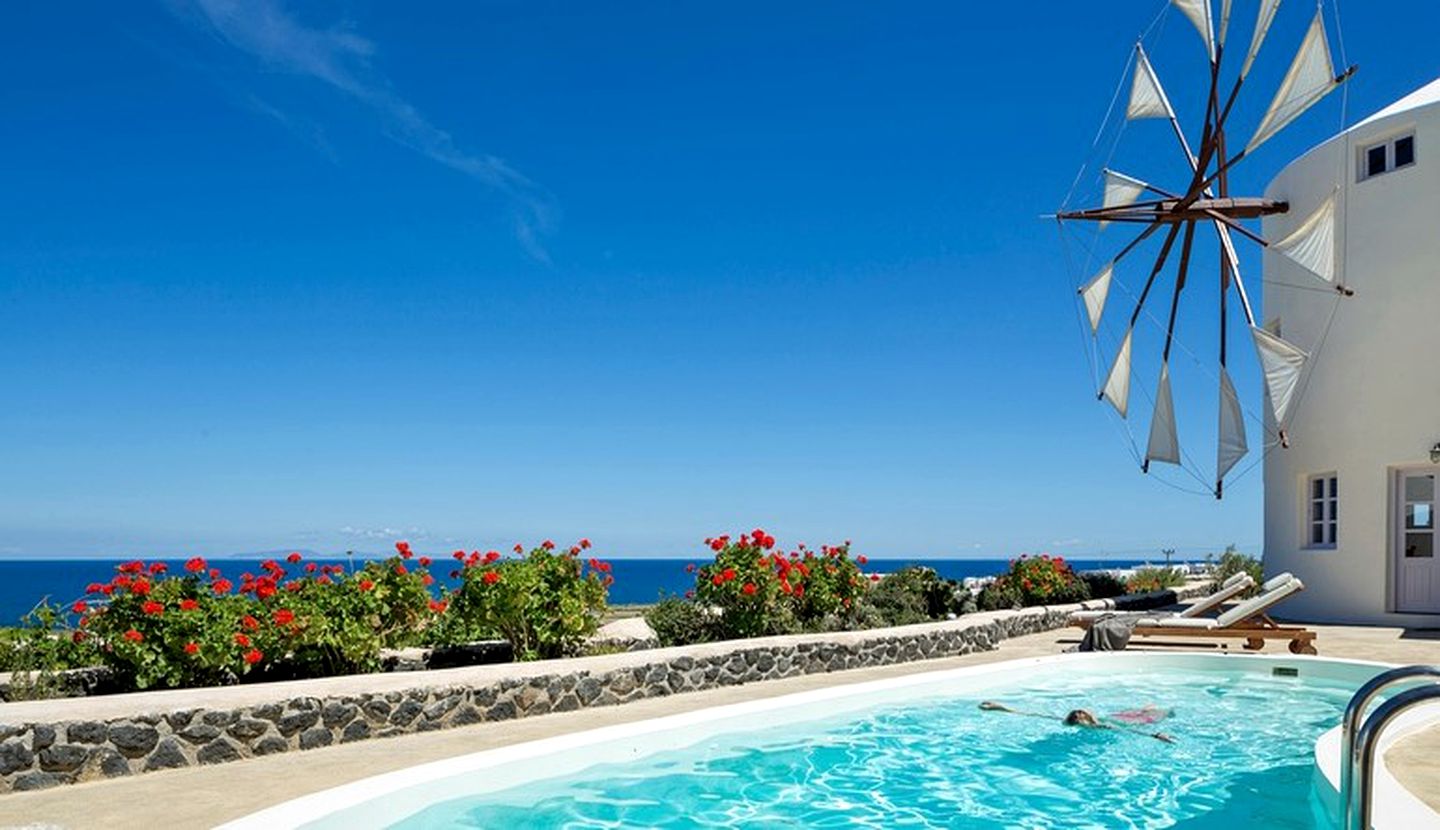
pixel 492 556
pixel 403 548
pixel 547 544
pixel 519 548
pixel 78 637
pixel 729 574
pixel 140 587
pixel 717 579
pixel 95 588
pixel 195 565
pixel 424 561
pixel 192 648
pixel 254 656
pixel 427 580
pixel 132 567
pixel 294 558
pixel 310 567
pixel 188 605
pixel 221 586
pixel 365 585
pixel 585 544
pixel 284 616
pixel 241 640
pixel 749 588
pixel 134 636
pixel 690 568
pixel 157 568
pixel 861 560
pixel 249 622
pixel 491 577
pixel 438 605
pixel 153 607
pixel 400 569
pixel 79 607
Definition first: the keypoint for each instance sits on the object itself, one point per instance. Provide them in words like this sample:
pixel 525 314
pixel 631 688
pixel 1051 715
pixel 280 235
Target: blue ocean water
pixel 24 582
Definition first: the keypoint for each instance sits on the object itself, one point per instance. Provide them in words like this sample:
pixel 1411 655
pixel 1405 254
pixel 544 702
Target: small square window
pixel 1404 151
pixel 1375 161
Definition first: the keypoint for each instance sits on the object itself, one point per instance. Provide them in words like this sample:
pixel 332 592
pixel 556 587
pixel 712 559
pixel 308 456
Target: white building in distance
pixel 1350 505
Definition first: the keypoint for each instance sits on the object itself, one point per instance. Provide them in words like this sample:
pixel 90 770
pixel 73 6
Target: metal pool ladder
pixel 1359 738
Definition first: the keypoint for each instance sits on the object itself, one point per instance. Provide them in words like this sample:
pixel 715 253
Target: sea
pixel 24 582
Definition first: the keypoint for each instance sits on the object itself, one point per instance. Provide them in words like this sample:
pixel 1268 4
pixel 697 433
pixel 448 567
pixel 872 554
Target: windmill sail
pixel 1312 244
pixel 1147 98
pixel 1199 13
pixel 1094 294
pixel 1164 440
pixel 1262 27
pixel 1281 362
pixel 1117 383
pixel 1311 77
pixel 1224 20
pixel 1232 445
pixel 1121 190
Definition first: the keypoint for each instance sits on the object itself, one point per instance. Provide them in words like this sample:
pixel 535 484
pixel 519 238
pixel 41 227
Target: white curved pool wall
pixel 1366 418
pixel 1396 807
pixel 389 798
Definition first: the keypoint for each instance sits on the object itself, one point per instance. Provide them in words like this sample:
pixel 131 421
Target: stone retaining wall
pixel 47 743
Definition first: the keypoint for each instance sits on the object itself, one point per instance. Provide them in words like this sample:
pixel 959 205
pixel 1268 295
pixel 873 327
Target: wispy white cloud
pixel 383 533
pixel 341 58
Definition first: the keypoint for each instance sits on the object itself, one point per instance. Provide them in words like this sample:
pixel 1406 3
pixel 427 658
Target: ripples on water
pixel 1242 759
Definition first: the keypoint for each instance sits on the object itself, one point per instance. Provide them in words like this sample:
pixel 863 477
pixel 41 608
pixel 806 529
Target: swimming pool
pixel 914 751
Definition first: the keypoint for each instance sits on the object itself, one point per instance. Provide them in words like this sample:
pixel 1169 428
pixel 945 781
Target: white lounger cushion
pixel 1239 613
pixel 1276 581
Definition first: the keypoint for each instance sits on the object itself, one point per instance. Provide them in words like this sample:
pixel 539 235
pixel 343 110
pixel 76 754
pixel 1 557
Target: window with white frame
pixel 1323 515
pixel 1390 154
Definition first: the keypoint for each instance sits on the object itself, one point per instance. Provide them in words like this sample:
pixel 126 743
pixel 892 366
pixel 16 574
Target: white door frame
pixel 1398 530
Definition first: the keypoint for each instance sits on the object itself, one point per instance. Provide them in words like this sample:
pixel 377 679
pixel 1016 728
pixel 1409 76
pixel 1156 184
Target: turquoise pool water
pixel 1242 758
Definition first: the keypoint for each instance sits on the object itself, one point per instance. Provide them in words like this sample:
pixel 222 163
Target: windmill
pixel 1198 207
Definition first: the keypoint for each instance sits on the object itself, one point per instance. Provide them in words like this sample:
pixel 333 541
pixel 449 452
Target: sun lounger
pixel 1248 620
pixel 1236 585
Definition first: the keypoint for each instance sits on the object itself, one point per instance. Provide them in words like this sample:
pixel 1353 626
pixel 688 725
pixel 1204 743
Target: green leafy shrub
pixel 544 603
pixel 40 649
pixel 1232 562
pixel 914 594
pixel 1151 578
pixel 1103 585
pixel 681 622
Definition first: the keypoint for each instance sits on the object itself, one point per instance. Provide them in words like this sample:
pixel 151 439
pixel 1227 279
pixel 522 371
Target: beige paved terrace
pixel 198 797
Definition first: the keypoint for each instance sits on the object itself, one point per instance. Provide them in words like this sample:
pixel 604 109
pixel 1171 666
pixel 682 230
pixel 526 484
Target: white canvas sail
pixel 1147 98
pixel 1281 362
pixel 1262 27
pixel 1094 294
pixel 1164 441
pixel 1232 446
pixel 1311 77
pixel 1312 244
pixel 1199 13
pixel 1121 190
pixel 1117 383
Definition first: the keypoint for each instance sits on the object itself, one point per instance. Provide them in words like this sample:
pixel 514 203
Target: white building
pixel 1350 506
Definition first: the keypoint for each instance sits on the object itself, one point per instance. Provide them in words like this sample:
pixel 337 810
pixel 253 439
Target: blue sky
pixel 281 275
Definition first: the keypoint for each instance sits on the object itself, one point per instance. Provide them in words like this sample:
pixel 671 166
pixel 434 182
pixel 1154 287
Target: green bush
pixel 1151 578
pixel 1103 585
pixel 913 594
pixel 38 650
pixel 546 604
pixel 681 622
pixel 1232 562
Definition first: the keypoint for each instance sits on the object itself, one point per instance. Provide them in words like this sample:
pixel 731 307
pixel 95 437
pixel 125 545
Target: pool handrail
pixel 1358 737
